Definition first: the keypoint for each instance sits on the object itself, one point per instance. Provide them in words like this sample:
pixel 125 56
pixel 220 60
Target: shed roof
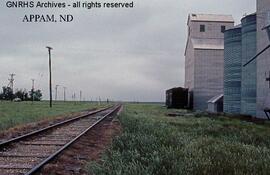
pixel 208 44
pixel 216 98
pixel 211 18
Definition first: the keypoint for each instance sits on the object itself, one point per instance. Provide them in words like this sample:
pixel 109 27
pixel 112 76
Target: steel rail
pixel 5 143
pixel 40 165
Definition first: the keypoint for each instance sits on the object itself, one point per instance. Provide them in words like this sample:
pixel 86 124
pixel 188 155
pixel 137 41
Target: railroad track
pixel 25 155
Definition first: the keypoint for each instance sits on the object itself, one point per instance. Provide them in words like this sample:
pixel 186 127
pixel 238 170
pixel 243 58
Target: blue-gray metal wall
pixel 232 70
pixel 249 73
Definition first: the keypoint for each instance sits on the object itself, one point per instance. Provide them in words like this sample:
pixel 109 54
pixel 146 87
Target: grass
pixel 15 113
pixel 154 144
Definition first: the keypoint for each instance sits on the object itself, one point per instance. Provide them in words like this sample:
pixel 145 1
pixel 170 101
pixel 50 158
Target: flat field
pixel 153 143
pixel 16 113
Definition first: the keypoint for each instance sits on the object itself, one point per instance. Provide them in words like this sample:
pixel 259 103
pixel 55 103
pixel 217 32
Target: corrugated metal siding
pixel 189 67
pixel 249 74
pixel 263 61
pixel 204 66
pixel 232 70
pixel 209 66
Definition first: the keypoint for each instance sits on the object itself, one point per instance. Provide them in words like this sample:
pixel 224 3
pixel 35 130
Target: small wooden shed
pixel 215 104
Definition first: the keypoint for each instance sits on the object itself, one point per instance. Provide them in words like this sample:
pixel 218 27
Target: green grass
pixel 15 113
pixel 154 144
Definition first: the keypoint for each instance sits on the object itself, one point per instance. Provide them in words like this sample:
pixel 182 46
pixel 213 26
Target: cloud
pixel 122 54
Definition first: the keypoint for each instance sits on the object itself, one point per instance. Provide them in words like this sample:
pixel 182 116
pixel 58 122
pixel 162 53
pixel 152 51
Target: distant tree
pixel 36 94
pixel 7 93
pixel 22 94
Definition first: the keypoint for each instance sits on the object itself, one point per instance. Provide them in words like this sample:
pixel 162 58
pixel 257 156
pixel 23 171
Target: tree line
pixel 20 94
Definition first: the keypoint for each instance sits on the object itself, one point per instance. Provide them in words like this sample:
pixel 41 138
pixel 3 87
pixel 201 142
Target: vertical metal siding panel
pixel 249 75
pixel 232 70
pixel 263 61
pixel 209 66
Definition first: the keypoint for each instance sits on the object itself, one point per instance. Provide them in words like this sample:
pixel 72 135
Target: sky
pixel 121 54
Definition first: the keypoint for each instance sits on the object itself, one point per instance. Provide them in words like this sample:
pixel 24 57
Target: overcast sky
pixel 121 54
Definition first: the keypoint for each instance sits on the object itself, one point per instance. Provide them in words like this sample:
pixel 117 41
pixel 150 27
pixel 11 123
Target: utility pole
pixel 80 96
pixel 65 93
pixel 33 89
pixel 56 87
pixel 11 84
pixel 11 81
pixel 50 72
pixel 74 98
